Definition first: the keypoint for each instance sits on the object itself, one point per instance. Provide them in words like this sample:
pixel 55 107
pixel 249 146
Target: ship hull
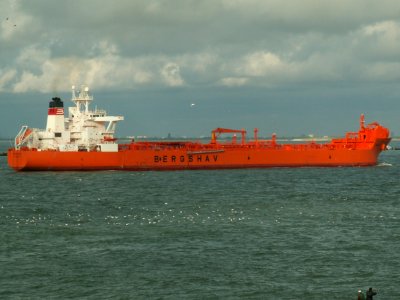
pixel 85 141
pixel 182 159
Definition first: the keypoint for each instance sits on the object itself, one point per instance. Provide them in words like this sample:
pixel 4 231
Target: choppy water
pixel 284 233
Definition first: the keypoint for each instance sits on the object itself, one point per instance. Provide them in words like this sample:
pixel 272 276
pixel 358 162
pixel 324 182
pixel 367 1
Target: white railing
pixel 20 138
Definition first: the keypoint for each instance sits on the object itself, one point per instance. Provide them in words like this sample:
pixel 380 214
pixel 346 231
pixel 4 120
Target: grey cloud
pixel 180 26
pixel 128 44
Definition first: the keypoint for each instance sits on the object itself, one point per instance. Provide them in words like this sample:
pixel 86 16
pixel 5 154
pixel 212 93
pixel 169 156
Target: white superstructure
pixel 82 130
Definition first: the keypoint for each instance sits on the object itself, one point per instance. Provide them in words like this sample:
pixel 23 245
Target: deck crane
pixel 218 131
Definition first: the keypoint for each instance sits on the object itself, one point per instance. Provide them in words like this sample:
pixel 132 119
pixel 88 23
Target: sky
pixel 184 67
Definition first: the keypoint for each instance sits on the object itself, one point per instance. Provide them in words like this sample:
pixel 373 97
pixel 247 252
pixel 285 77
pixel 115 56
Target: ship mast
pixel 83 99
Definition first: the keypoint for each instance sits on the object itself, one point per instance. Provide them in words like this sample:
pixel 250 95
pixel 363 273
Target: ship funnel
pixel 56 102
pixel 55 115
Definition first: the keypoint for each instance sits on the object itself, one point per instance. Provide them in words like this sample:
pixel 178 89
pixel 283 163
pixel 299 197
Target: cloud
pixel 325 16
pixel 5 78
pixel 171 74
pixel 150 44
pixel 38 70
pixel 142 77
pixel 33 55
pixel 382 40
pixel 260 64
pixel 14 22
pixel 233 81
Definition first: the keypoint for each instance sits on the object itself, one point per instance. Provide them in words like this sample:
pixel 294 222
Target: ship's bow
pixel 382 138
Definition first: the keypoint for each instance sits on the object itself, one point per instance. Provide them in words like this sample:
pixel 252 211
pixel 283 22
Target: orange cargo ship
pixel 85 141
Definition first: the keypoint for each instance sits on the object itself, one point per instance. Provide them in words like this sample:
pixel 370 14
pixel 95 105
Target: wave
pixel 384 164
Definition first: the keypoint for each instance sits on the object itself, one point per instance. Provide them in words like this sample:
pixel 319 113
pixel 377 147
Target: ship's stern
pixel 16 159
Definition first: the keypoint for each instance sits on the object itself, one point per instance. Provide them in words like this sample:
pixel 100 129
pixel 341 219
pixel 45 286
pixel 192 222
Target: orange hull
pixel 360 148
pixel 85 141
pixel 186 155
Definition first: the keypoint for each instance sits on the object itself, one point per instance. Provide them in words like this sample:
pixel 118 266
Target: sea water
pixel 279 233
